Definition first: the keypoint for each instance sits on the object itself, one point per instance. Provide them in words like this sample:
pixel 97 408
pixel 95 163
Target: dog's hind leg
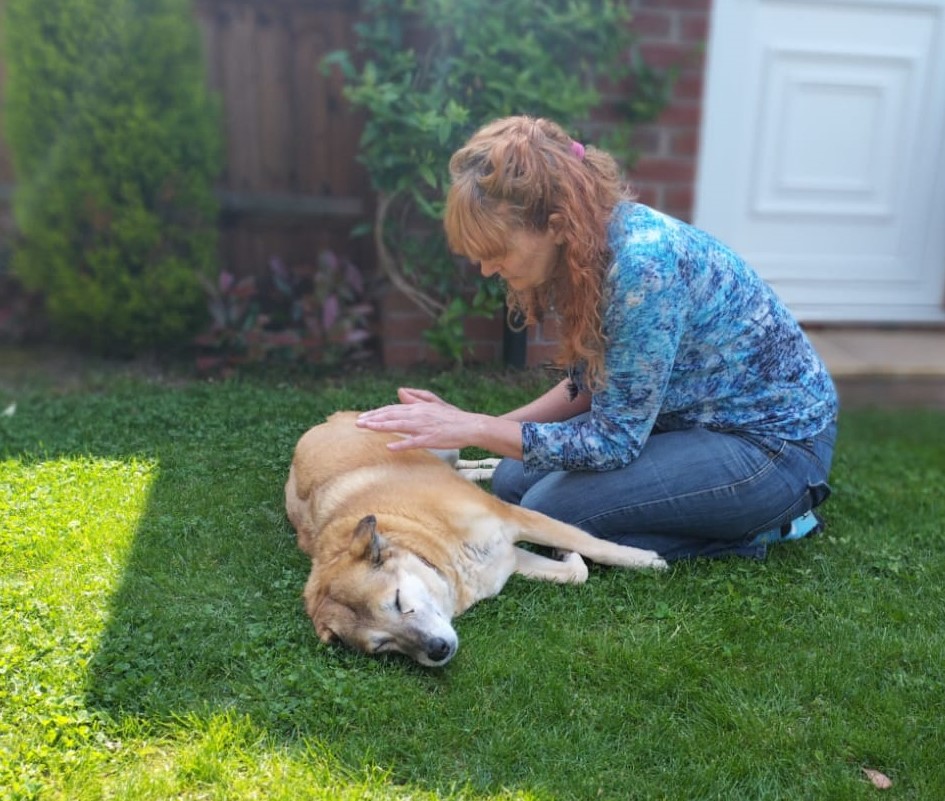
pixel 543 530
pixel 568 570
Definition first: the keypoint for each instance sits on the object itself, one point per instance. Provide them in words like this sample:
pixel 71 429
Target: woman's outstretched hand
pixel 425 420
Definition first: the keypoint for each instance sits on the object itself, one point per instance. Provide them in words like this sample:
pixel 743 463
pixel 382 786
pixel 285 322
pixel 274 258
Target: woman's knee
pixel 508 481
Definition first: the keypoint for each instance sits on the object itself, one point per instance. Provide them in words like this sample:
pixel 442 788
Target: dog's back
pixel 342 471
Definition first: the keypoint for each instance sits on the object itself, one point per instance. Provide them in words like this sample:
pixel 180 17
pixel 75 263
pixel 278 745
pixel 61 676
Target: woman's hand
pixel 408 395
pixel 425 421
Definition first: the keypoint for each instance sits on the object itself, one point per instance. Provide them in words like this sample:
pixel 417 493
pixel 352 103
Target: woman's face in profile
pixel 528 262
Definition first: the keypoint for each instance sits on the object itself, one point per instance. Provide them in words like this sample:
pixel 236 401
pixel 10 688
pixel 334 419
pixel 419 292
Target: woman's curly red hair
pixel 523 173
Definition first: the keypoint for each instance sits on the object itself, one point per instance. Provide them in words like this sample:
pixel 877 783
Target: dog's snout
pixel 439 649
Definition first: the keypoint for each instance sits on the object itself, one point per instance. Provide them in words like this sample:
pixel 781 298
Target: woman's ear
pixel 556 226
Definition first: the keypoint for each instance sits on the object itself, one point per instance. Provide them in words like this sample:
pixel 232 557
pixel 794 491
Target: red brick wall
pixel 401 335
pixel 672 33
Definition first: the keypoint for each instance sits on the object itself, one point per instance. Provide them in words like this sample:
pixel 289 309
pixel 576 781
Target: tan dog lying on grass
pixel 401 543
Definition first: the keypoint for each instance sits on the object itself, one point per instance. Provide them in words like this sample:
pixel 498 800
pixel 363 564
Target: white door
pixel 822 155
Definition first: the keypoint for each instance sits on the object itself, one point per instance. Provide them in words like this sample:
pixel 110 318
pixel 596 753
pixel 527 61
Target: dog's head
pixel 381 598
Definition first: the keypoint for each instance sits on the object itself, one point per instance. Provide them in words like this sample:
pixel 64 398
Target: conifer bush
pixel 115 144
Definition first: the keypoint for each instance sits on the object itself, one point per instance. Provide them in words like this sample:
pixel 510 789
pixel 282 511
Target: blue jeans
pixel 690 493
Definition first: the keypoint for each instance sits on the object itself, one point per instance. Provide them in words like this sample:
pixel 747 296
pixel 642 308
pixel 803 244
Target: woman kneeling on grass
pixel 696 418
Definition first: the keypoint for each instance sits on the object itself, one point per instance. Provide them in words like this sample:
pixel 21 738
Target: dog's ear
pixel 366 542
pixel 324 618
pixel 325 633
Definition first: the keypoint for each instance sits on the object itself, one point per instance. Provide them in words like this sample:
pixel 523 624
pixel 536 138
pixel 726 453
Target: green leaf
pixel 426 172
pixel 340 59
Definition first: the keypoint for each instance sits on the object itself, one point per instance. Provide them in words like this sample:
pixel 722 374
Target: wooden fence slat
pixel 275 123
pixel 309 102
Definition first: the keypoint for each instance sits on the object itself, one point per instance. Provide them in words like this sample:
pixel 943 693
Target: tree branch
pixel 389 264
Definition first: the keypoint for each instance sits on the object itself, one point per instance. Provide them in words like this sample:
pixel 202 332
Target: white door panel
pixel 823 152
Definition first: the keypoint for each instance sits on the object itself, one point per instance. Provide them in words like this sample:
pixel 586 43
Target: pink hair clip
pixel 578 150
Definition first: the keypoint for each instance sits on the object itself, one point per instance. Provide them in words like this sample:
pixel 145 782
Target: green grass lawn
pixel 153 644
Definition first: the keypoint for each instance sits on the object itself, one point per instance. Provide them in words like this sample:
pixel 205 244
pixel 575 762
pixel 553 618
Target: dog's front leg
pixel 568 570
pixel 476 469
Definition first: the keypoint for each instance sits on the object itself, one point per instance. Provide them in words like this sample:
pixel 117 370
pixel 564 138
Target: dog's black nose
pixel 438 649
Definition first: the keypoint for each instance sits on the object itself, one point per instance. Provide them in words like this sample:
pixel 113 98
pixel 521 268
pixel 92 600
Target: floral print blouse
pixel 695 338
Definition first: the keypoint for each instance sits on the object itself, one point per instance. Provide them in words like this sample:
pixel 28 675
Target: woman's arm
pixel 427 421
pixel 552 407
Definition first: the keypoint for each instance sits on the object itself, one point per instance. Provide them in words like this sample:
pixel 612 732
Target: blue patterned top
pixel 695 338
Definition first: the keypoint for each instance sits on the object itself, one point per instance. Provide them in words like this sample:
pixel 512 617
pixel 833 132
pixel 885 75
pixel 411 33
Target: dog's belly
pixel 486 558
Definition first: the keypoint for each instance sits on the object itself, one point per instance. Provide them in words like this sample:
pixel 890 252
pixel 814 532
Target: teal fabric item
pixel 798 528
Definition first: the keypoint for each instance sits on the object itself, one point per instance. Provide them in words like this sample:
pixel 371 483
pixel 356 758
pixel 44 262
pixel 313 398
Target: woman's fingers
pixel 403 418
pixel 412 402
pixel 411 395
pixel 422 425
pixel 406 443
pixel 378 415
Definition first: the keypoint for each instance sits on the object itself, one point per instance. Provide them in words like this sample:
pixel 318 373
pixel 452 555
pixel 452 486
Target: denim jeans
pixel 690 493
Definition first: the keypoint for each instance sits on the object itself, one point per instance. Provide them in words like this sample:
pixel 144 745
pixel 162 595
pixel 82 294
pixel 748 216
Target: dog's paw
pixel 576 563
pixel 643 558
pixel 657 562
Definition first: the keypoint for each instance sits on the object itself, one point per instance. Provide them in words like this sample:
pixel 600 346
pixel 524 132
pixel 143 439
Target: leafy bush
pixel 21 311
pixel 115 145
pixel 305 314
pixel 431 72
pixel 22 316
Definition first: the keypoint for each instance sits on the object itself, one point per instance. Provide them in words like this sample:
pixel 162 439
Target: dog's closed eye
pixel 398 607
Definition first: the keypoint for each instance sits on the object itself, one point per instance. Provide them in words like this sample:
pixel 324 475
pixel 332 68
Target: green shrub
pixel 115 145
pixel 429 73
